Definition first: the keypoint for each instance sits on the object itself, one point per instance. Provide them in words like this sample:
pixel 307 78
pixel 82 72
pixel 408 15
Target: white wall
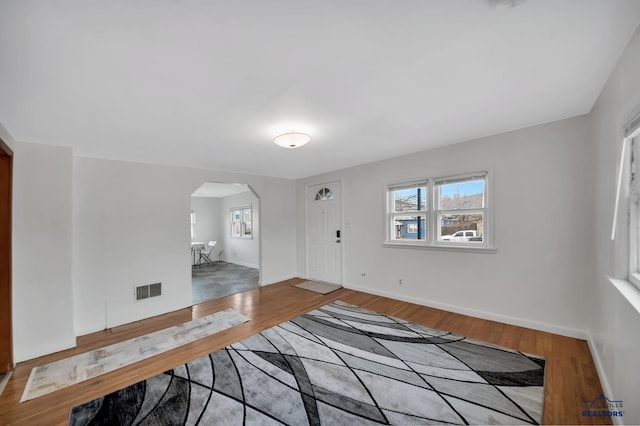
pixel 208 222
pixel 543 224
pixel 614 322
pixel 131 227
pixel 243 251
pixel 42 263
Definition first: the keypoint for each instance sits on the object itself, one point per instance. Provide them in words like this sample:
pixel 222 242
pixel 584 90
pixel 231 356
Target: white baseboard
pixel 277 280
pixel 237 262
pixel 606 388
pixel 83 331
pixel 550 328
pixel 50 349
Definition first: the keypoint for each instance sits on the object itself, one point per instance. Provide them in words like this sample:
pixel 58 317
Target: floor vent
pixel 147 291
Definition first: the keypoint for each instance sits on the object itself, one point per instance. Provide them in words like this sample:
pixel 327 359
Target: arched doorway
pixel 225 239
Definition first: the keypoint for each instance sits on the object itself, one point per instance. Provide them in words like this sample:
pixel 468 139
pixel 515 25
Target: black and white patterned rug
pixel 337 365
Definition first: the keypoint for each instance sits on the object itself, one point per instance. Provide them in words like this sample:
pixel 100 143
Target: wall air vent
pixel 146 291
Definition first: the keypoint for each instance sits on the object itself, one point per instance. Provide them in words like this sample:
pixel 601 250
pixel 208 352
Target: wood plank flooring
pixel 571 374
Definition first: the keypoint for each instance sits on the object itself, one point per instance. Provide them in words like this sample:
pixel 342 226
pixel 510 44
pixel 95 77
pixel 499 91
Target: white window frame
pixel 242 224
pixel 433 214
pixel 392 215
pixel 437 183
pixel 632 137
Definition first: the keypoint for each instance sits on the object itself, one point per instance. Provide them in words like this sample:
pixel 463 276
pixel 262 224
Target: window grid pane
pixel 406 228
pixel 459 195
pixel 459 227
pixel 410 199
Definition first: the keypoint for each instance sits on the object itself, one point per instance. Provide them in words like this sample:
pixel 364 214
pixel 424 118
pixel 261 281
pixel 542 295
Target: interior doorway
pixel 6 339
pixel 225 240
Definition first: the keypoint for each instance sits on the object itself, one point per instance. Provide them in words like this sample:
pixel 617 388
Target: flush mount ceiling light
pixel 292 139
pixel 506 4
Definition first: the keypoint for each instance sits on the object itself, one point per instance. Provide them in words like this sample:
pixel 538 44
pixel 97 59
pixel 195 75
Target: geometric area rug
pixel 337 365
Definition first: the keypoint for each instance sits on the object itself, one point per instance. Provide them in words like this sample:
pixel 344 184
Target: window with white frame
pixel 460 209
pixel 241 225
pixel 193 224
pixel 408 211
pixel 448 211
pixel 632 137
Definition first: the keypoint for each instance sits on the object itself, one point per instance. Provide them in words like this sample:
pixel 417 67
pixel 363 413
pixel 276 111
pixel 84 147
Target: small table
pixel 197 247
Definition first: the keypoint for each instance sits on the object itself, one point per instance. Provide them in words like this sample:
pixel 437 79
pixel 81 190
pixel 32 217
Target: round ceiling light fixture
pixel 292 139
pixel 506 4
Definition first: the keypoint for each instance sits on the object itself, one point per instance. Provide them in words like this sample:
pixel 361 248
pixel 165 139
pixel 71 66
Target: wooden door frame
pixel 6 337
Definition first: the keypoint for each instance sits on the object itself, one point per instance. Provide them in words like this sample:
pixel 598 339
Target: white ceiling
pixel 219 190
pixel 207 83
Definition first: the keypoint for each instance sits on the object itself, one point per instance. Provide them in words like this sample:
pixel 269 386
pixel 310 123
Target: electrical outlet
pixel 400 283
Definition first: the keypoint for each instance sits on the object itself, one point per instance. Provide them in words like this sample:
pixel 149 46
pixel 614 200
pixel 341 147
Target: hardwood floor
pixel 571 374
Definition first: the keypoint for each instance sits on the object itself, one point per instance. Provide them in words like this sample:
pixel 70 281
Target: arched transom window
pixel 324 194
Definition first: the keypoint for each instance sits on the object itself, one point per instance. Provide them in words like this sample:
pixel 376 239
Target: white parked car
pixel 465 235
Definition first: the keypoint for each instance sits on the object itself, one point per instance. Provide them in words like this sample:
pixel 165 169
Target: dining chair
pixel 205 255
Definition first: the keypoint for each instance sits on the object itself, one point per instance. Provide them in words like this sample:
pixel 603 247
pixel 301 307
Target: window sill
pixel 441 247
pixel 628 291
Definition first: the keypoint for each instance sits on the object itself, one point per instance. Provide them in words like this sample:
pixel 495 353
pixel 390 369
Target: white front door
pixel 324 242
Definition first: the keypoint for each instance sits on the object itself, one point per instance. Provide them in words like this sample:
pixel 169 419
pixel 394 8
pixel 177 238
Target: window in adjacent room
pixel 193 224
pixel 447 212
pixel 241 225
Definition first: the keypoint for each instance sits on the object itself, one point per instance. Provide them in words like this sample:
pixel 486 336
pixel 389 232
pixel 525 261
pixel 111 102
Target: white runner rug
pixel 69 371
